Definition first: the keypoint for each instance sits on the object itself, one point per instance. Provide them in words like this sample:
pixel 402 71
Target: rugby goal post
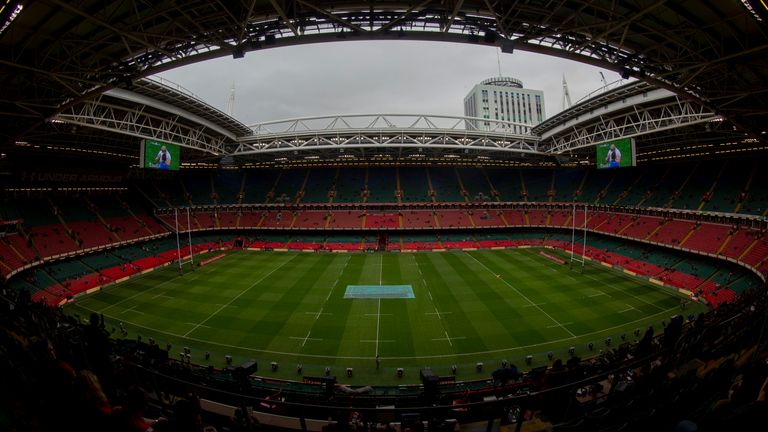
pixel 579 259
pixel 191 258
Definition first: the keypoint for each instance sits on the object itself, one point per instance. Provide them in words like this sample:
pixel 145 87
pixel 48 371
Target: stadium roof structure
pixel 58 54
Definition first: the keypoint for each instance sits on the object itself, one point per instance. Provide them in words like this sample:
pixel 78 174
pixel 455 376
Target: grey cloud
pixel 373 77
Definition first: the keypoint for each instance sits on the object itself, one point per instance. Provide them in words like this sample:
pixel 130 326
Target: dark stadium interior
pixel 692 215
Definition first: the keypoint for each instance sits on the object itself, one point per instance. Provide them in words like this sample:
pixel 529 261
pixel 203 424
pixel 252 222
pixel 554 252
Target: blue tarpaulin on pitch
pixel 379 292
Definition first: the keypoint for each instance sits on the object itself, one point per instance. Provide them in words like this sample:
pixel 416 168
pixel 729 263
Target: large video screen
pixel 160 155
pixel 616 154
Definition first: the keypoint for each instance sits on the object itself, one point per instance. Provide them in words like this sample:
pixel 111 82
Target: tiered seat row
pixel 740 244
pixel 731 187
pixel 80 278
pixel 56 226
pixel 707 238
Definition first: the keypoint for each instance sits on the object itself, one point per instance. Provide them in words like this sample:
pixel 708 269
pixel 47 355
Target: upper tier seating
pixel 445 183
pixel 59 224
pixel 319 184
pixel 382 184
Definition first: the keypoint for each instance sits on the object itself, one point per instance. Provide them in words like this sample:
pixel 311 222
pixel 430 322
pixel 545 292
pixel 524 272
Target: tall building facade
pixel 504 99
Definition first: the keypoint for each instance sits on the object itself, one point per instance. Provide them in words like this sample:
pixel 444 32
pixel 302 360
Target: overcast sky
pixel 404 77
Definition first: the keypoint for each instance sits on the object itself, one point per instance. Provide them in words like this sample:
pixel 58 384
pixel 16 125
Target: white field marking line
pixel 378 316
pixel 438 313
pixel 448 338
pixel 377 342
pixel 159 295
pixel 333 286
pixel 554 326
pixel 524 347
pixel 439 316
pixel 131 309
pixel 320 312
pixel 137 294
pixel 239 295
pixel 623 292
pixel 207 269
pixel 629 294
pixel 200 326
pixel 305 338
pixel 628 309
pixel 378 310
pixel 381 269
pixel 597 295
pixel 523 296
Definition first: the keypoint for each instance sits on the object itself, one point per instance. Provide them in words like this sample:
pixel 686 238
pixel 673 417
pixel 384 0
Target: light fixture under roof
pixel 16 11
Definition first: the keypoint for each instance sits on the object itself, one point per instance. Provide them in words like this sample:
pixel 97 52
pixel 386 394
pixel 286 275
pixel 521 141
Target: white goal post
pixel 580 258
pixel 191 258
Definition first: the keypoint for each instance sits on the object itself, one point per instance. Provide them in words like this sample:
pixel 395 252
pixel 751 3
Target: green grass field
pixel 469 307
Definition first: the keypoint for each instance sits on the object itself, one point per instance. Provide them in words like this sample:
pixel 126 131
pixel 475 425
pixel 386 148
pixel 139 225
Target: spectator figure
pixel 91 404
pixel 129 417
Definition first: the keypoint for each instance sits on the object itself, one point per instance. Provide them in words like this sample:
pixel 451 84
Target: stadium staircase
pixel 494 192
pixel 707 196
pixel 380 185
pixel 430 189
pixel 746 189
pixel 708 238
pixel 678 193
pixel 632 194
pixel 271 193
pixel 399 190
pixel 523 189
pixel 462 188
pixel 577 194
